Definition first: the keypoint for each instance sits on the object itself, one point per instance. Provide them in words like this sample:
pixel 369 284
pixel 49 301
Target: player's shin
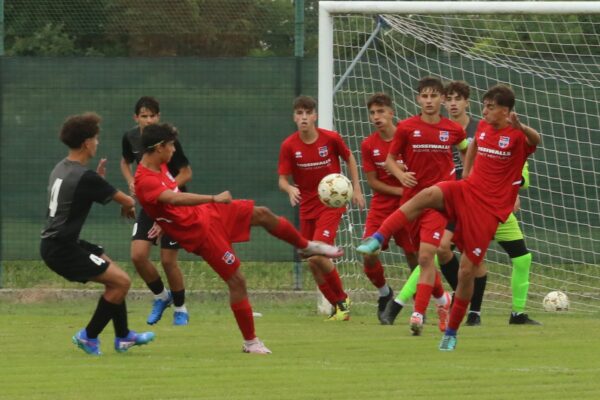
pixel 520 281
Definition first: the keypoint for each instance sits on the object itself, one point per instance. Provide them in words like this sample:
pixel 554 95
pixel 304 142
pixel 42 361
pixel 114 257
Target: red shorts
pixel 324 227
pixel 228 223
pixel 402 238
pixel 428 228
pixel 475 228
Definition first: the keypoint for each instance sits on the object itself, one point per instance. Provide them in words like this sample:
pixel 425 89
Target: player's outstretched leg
pixel 283 229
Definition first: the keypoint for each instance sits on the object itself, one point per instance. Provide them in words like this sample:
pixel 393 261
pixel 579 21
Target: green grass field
pixel 311 359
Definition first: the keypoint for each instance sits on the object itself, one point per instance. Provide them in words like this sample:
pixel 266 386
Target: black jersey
pixel 133 150
pixel 471 128
pixel 72 189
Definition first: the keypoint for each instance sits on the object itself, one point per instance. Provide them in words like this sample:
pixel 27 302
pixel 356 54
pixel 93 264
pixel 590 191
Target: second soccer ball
pixel 335 190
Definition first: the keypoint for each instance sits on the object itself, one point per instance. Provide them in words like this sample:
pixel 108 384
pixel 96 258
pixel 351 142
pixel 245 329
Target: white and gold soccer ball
pixel 556 301
pixel 335 190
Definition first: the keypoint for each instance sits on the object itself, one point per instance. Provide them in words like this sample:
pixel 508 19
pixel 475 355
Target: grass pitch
pixel 311 359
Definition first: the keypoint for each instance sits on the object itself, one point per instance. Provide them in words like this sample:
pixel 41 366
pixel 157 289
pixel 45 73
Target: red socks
pixel 286 232
pixel 422 297
pixel 375 274
pixel 335 283
pixel 245 320
pixel 328 293
pixel 396 221
pixel 457 313
pixel 438 288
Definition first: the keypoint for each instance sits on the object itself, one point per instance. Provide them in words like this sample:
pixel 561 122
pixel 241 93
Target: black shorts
pixel 75 261
pixel 142 226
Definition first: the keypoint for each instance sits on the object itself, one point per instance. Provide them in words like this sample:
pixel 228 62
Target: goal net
pixel 549 53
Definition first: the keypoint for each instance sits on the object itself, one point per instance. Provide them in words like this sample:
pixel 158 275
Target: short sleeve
pixel 148 188
pixel 96 187
pixel 126 150
pixel 284 167
pixel 342 149
pixel 398 142
pixel 367 161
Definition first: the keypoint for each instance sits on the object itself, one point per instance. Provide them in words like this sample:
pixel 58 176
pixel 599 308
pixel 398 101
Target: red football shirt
pixel 496 176
pixel 309 163
pixel 374 151
pixel 183 223
pixel 427 150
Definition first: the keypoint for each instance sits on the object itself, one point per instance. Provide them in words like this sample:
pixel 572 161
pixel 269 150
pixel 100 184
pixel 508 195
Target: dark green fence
pixel 232 114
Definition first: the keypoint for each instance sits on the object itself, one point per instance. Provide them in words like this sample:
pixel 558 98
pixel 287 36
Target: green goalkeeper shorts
pixel 509 231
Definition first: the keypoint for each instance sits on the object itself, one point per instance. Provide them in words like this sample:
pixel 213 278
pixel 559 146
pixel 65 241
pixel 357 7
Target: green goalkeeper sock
pixel 410 287
pixel 520 281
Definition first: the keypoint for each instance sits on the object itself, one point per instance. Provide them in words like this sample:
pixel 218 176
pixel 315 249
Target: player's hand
pixel 358 200
pixel 132 188
pixel 128 212
pixel 294 194
pixel 223 197
pixel 513 119
pixel 517 205
pixel 101 168
pixel 155 231
pixel 408 179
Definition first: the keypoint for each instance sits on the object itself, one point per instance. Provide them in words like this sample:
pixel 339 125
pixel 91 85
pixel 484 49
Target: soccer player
pixel 424 142
pixel 72 189
pixel 305 157
pixel 145 231
pixel 509 235
pixel 207 225
pixel 478 202
pixel 387 192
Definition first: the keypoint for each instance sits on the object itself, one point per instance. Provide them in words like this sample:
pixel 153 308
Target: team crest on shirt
pixel 323 151
pixel 482 136
pixel 229 258
pixel 376 152
pixel 417 133
pixel 298 154
pixel 504 142
pixel 444 136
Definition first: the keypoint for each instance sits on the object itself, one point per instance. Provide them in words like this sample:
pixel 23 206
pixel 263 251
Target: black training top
pixel 471 128
pixel 72 189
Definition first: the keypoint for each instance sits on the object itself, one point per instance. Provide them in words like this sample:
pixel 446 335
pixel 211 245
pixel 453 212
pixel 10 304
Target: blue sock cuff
pixel 450 332
pixel 379 237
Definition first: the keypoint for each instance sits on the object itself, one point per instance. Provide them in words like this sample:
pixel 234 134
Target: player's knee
pixel 426 260
pixel 262 215
pixel 139 258
pixel 236 283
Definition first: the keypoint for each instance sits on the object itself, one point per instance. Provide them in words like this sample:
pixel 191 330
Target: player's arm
pixel 192 199
pixel 127 204
pixel 381 187
pixel 533 137
pixel 290 189
pixel 126 172
pixel 357 196
pixel 469 158
pixel 406 178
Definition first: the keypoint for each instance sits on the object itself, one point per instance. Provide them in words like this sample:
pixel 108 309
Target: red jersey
pixel 496 176
pixel 182 223
pixel 309 163
pixel 427 150
pixel 374 151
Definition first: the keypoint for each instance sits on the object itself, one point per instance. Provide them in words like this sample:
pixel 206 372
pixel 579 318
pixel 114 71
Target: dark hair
pixel 305 102
pixel 502 95
pixel 461 88
pixel 147 102
pixel 156 134
pixel 380 99
pixel 78 128
pixel 430 82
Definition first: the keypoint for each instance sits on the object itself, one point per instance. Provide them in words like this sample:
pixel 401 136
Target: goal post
pixel 548 52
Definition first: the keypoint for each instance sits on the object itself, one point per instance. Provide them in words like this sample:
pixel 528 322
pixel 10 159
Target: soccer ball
pixel 335 190
pixel 556 301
